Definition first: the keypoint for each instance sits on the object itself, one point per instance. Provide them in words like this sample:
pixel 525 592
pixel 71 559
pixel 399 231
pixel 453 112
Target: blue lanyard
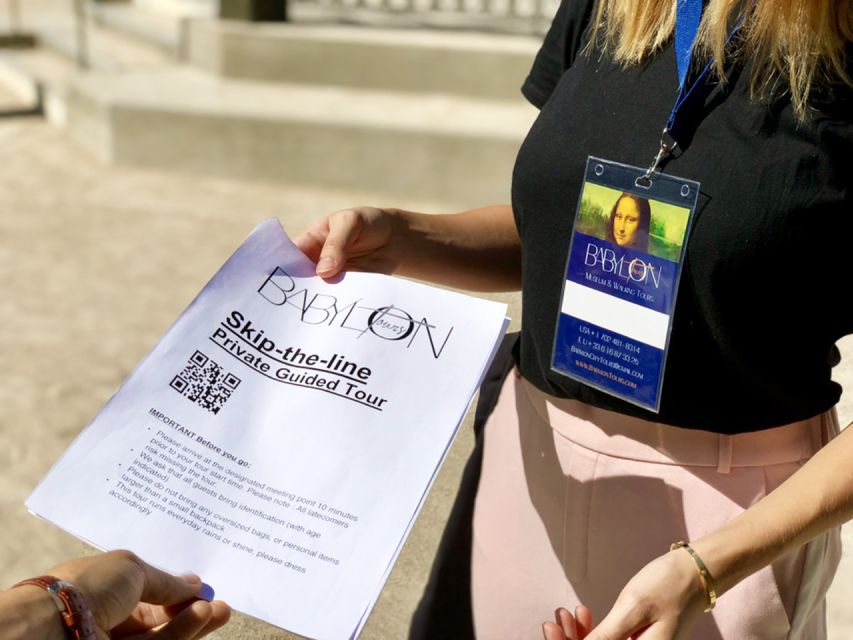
pixel 688 14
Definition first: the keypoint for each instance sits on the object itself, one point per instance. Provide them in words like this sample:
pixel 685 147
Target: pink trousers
pixel 574 500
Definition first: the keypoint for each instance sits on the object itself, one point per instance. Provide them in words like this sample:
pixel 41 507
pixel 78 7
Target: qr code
pixel 204 382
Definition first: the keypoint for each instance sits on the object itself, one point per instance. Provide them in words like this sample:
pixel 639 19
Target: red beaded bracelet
pixel 76 615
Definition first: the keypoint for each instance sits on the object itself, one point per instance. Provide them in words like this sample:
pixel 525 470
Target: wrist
pixel 728 558
pixel 701 571
pixel 28 612
pixel 411 237
pixel 69 603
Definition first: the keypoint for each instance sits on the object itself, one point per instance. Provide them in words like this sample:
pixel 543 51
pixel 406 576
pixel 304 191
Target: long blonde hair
pixel 796 45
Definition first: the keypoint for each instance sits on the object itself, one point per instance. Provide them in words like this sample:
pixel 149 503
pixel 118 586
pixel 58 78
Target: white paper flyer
pixel 280 438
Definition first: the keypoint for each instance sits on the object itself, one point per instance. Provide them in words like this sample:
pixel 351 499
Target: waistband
pixel 633 438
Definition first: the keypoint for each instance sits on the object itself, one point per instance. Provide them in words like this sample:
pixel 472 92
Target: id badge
pixel 625 258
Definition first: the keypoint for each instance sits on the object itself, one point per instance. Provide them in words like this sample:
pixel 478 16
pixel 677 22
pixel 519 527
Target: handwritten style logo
pixel 385 322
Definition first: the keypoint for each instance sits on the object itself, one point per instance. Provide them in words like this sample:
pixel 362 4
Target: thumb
pixel 165 589
pixel 310 242
pixel 619 624
pixel 344 227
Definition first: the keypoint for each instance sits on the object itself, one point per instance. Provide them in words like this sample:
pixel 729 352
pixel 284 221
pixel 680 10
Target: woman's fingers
pixel 221 613
pixel 621 624
pixel 351 239
pixel 583 617
pixel 552 631
pixel 567 623
pixel 144 618
pixel 196 621
pixel 311 241
pixel 564 627
pixel 187 625
pixel 186 621
pixel 327 241
pixel 164 588
pixel 344 228
pixel 567 626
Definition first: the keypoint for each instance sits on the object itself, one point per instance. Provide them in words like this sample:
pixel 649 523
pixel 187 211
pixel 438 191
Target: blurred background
pixel 142 140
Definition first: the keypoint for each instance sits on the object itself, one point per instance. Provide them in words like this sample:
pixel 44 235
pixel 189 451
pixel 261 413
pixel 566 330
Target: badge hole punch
pixel 644 182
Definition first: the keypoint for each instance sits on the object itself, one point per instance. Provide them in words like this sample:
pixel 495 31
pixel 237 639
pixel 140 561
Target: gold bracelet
pixel 702 570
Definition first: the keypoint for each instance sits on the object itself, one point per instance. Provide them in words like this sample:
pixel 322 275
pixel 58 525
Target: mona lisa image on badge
pixel 633 221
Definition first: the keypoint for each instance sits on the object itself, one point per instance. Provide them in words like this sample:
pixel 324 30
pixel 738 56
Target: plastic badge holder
pixel 624 264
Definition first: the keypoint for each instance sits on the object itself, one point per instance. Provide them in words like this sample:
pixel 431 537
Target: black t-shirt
pixel 765 287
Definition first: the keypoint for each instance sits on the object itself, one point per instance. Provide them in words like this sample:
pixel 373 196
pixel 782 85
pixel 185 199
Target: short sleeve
pixel 563 42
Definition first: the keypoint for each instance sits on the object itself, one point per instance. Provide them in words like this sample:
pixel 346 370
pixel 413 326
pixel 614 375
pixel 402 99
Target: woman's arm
pixel 477 250
pixel 816 498
pixel 667 595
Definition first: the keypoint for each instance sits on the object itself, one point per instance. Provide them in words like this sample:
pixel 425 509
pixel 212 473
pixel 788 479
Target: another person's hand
pixel 567 626
pixel 661 602
pixel 129 598
pixel 357 239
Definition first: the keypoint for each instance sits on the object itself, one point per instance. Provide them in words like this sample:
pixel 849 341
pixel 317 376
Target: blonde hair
pixel 797 46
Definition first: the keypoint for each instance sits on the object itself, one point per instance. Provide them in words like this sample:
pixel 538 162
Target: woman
pixel 629 222
pixel 581 493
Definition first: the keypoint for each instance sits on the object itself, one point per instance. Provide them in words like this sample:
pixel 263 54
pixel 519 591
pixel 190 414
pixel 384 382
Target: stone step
pixel 40 78
pixel 152 26
pixel 487 65
pixel 16 83
pixel 181 8
pixel 137 106
pixel 42 74
pixel 429 147
pixel 480 65
pixel 104 49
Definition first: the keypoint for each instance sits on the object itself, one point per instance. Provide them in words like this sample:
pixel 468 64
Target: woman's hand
pixel 567 626
pixel 661 602
pixel 357 239
pixel 477 250
pixel 129 598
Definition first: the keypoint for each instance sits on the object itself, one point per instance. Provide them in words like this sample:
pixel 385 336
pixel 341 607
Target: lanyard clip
pixel 667 146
